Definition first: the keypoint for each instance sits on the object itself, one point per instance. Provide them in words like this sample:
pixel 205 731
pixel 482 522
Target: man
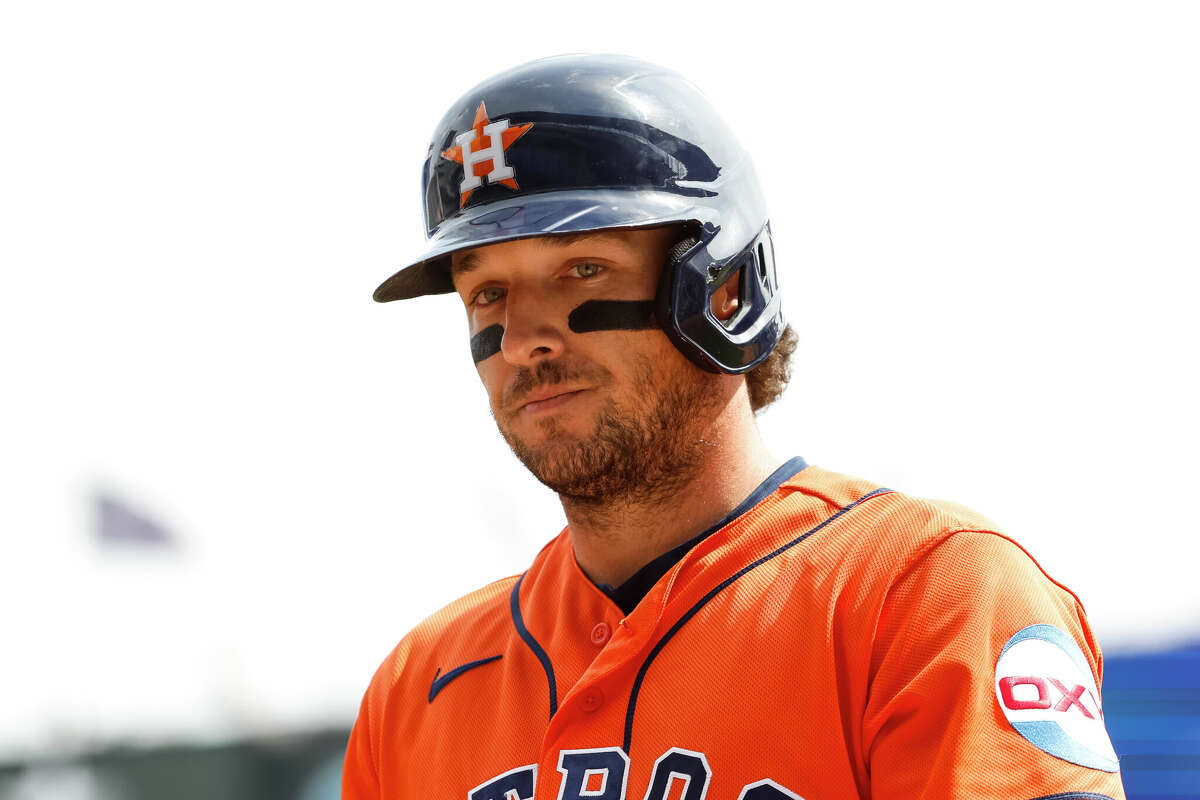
pixel 712 622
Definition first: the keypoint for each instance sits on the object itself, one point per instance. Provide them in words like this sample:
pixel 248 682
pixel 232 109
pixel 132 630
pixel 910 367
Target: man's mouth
pixel 547 398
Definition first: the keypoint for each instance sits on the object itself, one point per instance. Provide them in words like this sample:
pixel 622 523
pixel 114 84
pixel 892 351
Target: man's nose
pixel 533 329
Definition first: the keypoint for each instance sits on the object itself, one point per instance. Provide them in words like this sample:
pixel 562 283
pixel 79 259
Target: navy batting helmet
pixel 589 142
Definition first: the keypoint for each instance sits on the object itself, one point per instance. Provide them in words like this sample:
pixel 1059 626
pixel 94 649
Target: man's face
pixel 597 415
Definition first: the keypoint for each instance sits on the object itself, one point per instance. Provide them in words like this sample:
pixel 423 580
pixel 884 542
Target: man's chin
pixel 548 434
pixel 549 456
pixel 565 462
pixel 643 453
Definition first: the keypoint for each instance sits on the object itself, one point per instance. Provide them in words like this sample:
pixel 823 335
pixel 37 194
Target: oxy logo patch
pixel 1047 693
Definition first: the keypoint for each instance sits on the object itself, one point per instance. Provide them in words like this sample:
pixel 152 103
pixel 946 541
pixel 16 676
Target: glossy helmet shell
pixel 589 142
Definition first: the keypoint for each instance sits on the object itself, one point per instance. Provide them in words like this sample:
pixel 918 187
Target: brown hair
pixel 768 380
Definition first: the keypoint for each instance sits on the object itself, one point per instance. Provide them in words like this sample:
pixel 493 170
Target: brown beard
pixel 636 455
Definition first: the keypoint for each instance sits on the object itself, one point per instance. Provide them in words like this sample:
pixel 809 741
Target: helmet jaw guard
pixel 684 304
pixel 581 143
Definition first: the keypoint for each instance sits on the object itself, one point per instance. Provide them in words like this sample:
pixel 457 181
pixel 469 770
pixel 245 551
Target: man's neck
pixel 615 540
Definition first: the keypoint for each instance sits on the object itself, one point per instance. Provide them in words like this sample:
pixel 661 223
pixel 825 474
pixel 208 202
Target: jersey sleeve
pixel 360 781
pixel 985 682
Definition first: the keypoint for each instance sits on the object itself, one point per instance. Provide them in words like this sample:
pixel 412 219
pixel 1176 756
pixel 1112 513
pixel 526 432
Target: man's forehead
pixel 465 261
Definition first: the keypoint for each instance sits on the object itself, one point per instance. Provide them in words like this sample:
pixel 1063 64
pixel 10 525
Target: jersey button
pixel 592 699
pixel 601 633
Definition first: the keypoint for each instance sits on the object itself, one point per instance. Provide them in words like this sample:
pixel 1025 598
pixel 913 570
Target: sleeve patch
pixel 1048 694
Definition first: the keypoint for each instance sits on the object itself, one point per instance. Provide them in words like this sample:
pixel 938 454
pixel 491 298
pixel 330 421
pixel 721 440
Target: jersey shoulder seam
pixel 945 533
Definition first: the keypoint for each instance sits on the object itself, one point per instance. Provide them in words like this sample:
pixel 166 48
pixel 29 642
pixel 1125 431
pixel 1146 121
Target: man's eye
pixel 488 294
pixel 587 269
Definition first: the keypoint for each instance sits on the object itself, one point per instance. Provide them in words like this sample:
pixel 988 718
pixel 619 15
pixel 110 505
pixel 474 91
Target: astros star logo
pixel 481 152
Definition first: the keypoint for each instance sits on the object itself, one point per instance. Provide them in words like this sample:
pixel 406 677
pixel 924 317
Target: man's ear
pixel 725 298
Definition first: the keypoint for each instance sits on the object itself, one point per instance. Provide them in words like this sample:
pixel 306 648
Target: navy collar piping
pixel 629 594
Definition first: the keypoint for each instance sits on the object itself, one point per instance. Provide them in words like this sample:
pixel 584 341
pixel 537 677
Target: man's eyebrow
pixel 567 239
pixel 469 261
pixel 466 263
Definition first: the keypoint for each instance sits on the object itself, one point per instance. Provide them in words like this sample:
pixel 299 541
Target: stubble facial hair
pixel 632 456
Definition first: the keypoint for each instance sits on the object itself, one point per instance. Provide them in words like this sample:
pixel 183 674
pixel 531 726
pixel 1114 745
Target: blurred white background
pixel 986 221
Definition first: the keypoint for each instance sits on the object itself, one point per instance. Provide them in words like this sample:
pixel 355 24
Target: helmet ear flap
pixel 665 304
pixel 683 305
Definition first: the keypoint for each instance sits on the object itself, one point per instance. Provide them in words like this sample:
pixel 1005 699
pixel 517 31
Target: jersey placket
pixel 593 714
pixel 600 712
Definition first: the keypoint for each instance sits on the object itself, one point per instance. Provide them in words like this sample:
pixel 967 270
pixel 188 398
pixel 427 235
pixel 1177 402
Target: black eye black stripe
pixel 486 343
pixel 612 315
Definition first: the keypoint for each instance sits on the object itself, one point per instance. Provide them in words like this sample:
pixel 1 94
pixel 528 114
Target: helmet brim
pixel 523 217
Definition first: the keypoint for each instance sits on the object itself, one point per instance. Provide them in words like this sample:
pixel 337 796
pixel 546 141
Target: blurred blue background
pixel 1152 709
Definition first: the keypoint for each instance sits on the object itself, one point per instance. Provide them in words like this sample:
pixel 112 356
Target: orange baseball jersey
pixel 830 639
